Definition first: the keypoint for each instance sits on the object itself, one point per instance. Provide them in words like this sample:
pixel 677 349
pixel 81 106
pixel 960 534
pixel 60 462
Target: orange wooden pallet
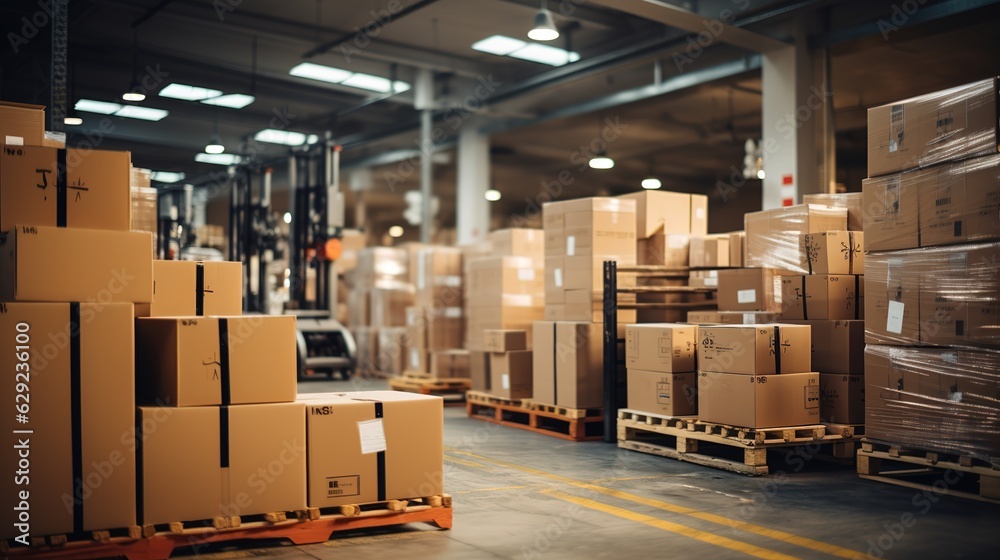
pixel 312 526
pixel 573 426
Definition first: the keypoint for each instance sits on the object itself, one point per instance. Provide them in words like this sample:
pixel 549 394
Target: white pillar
pixel 793 108
pixel 473 220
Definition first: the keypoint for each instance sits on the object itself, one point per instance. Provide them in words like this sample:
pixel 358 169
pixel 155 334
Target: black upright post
pixel 245 238
pixel 610 351
pixel 56 112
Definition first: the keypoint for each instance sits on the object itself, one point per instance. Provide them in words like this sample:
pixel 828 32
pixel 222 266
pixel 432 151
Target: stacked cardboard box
pixel 774 237
pixel 932 221
pixel 71 273
pixel 757 376
pixel 379 294
pixel 436 322
pixel 510 364
pixel 661 368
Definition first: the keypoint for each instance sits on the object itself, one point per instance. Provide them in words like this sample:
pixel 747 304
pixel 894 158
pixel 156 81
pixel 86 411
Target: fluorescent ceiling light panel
pixel 232 100
pixel 499 45
pixel 545 54
pixel 188 93
pixel 99 107
pixel 320 72
pixel 286 137
pixel 141 113
pixel 218 159
pixel 166 176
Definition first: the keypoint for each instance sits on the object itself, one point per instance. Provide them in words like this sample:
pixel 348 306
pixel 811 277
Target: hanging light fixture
pixel 134 92
pixel 651 182
pixel 545 26
pixel 215 142
pixel 601 161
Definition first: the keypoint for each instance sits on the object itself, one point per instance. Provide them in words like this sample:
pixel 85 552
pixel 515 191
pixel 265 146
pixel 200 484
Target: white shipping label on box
pixel 414 358
pixel 558 275
pixel 452 312
pixel 746 296
pixel 14 141
pixel 372 435
pixel 699 213
pixel 894 323
pixel 526 274
pixel 505 381
pixel 570 246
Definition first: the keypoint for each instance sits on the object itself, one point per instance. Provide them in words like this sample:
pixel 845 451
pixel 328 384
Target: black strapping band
pixel 140 507
pixel 555 378
pixel 61 190
pixel 224 361
pixel 857 296
pixel 380 458
pixel 805 300
pixel 76 414
pixel 224 437
pixel 199 289
pixel 777 349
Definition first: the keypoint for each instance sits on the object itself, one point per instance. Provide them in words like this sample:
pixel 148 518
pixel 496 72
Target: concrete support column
pixel 473 220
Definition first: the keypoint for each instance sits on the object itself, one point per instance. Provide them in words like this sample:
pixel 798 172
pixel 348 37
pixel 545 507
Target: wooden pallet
pixel 574 428
pixel 678 438
pixel 847 431
pixel 531 404
pixel 480 397
pixel 303 527
pixel 450 389
pixel 961 475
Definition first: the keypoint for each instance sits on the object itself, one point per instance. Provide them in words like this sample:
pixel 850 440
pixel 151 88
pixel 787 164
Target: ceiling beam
pixel 363 33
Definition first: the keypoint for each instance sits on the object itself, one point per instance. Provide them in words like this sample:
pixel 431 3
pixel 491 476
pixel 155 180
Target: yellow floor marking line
pixel 683 530
pixel 497 489
pixel 682 510
pixel 621 478
pixel 463 462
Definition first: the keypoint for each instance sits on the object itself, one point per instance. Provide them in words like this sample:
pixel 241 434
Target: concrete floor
pixel 528 496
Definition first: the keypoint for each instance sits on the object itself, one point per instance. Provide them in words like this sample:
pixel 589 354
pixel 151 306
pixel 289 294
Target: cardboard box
pixel 96 193
pixel 892 298
pixel 388 304
pixel 513 312
pixel 822 296
pixel 191 472
pixel 511 374
pixel 418 360
pixel 479 370
pixel 699 214
pixel 669 212
pixel 392 345
pixel 39 263
pixel 709 251
pixel 518 242
pixel 489 278
pixel 587 273
pixel 749 289
pixel 440 328
pixel 93 403
pixel 951 124
pixel 203 361
pixel 835 252
pixel 22 124
pixel 437 275
pixel 506 340
pixel 664 249
pixel 737 242
pixel 555 312
pixel 732 317
pixel 579 351
pixel 842 398
pixel 959 284
pixel 450 364
pixel 752 349
pixel 189 288
pixel 584 305
pixel 668 394
pixel 766 401
pixel 839 346
pixel 891 211
pixel 773 236
pixel 370 446
pixel 960 202
pixel 704 279
pixel 555 278
pixel 606 234
pixel 543 362
pixel 664 348
pixel 853 202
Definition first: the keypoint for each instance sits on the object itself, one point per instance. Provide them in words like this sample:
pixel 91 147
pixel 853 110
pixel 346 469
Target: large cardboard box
pixel 201 361
pixel 511 374
pixel 579 353
pixel 732 317
pixel 392 350
pixel 960 202
pixel 555 279
pixel 711 251
pixel 440 328
pixel 737 244
pixel 773 236
pixel 71 375
pixel 835 252
pixel 822 296
pixel 759 401
pixel 749 289
pixel 892 297
pixel 951 124
pixel 189 288
pixel 668 394
pixel 40 263
pixel 669 212
pixel 959 287
pixel 510 312
pixel 22 124
pixel 755 349
pixel 450 364
pixel 388 303
pixel 543 362
pixel 489 278
pixel 518 242
pixel 437 276
pixel 607 231
pixel 479 370
pixel 664 249
pixel 853 202
pixel 370 446
pixel 838 347
pixel 94 193
pixel 664 348
pixel 207 461
pixel 891 211
pixel 506 340
pixel 842 398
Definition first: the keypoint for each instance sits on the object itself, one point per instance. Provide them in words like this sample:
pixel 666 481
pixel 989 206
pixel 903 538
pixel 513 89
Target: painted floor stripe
pixel 697 534
pixel 465 463
pixel 497 489
pixel 776 534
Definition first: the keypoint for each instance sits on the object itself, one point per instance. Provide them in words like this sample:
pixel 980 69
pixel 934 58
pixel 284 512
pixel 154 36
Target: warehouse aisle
pixel 523 495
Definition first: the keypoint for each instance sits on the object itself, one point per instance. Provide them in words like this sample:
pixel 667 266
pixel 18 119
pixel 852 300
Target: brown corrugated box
pixel 388 303
pixel 40 263
pixel 366 343
pixel 437 276
pixel 207 461
pixel 709 251
pixel 755 349
pixel 479 370
pixel 95 402
pixel 891 211
pixel 189 288
pixel 555 279
pixel 518 242
pixel 97 194
pixel 351 434
pixel 959 287
pixel 392 345
pixel 664 348
pixel 22 121
pixel 703 279
pixel 450 364
pixel 773 236
pixel 853 202
pixel 838 347
pixel 960 202
pixel 749 289
pixel 511 374
pixel 505 340
pixel 201 361
pixel 435 328
pixel 842 398
pixel 543 362
pixel 606 231
pixel 669 212
pixel 579 353
pixel 892 298
pixel 766 401
pixel 512 312
pixel 492 277
pixel 669 394
pixel 835 252
pixel 664 249
pixel 822 296
pixel 951 124
pixel 737 244
pixel 732 317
